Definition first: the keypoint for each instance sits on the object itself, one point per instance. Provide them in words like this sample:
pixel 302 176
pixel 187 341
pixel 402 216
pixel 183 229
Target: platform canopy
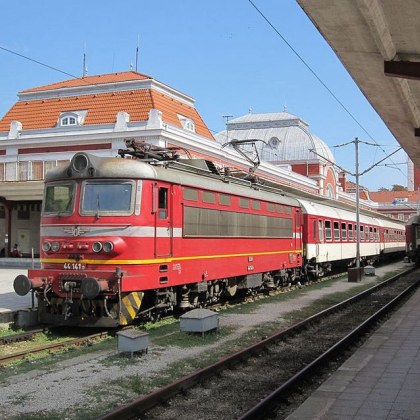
pixel 21 191
pixel 378 42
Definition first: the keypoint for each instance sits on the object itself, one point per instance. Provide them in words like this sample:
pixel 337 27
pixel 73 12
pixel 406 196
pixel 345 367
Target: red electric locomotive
pixel 122 238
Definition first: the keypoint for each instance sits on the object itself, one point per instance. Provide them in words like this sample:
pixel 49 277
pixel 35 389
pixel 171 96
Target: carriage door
pixel 162 203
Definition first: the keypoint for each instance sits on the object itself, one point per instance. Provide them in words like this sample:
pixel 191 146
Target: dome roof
pixel 285 137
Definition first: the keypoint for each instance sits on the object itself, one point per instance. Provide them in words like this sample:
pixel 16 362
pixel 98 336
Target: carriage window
pixel 375 232
pixel 59 198
pixel 343 231
pixel 328 232
pixel 336 231
pixel 350 232
pixel 320 230
pixel 371 233
pixel 362 232
pixel 314 229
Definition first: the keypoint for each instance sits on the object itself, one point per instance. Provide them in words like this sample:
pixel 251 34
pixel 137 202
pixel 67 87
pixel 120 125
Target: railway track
pixel 18 337
pixel 5 359
pixel 260 381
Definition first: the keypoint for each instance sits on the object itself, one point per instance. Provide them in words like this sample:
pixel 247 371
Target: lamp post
pixel 356 147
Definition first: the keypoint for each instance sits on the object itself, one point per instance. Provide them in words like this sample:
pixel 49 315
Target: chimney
pixel 342 180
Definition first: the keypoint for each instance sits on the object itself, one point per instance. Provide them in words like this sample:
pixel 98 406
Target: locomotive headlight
pixel 96 247
pixel 55 246
pixel 80 162
pixel 108 246
pixel 46 246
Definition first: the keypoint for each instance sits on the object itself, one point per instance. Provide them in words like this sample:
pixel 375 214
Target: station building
pixel 98 114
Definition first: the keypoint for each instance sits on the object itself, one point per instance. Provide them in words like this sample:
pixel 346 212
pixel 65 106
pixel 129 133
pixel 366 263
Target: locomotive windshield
pixel 59 198
pixel 107 197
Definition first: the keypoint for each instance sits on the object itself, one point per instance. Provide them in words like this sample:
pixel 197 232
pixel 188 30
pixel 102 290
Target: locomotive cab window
pixel 59 198
pixel 102 198
pixel 163 203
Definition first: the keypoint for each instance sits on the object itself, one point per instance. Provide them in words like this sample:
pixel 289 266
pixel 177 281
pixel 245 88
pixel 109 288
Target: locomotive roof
pixel 187 175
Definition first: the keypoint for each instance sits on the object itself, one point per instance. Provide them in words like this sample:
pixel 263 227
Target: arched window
pixel 330 191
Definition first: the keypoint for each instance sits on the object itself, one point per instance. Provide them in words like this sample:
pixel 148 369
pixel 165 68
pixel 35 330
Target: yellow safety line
pixel 166 260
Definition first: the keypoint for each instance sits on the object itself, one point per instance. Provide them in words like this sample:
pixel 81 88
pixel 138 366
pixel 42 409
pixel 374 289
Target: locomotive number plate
pixel 74 266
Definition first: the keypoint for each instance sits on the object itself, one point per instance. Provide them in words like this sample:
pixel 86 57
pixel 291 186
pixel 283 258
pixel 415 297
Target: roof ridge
pixel 99 79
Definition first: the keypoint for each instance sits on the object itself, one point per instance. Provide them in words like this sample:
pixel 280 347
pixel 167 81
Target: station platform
pixel 10 302
pixel 380 381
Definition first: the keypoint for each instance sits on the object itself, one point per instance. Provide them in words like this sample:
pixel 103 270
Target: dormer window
pixel 72 118
pixel 68 121
pixel 187 123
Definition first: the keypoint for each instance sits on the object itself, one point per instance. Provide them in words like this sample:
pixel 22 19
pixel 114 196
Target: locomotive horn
pixel 23 285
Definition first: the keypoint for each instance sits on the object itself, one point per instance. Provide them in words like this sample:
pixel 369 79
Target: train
pixel 413 239
pixel 149 232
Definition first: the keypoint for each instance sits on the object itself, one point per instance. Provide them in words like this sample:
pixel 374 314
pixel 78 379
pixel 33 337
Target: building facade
pixel 98 114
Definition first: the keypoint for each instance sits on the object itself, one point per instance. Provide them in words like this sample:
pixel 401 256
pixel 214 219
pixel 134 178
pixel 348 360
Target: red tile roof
pixel 390 196
pixel 91 80
pixel 102 108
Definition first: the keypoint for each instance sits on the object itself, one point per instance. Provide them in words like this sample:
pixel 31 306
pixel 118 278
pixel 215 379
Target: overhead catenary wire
pixel 299 56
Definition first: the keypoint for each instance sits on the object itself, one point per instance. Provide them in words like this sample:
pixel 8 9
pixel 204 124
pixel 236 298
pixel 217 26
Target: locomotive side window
pixel 107 198
pixel 190 194
pixel 314 229
pixel 243 202
pixel 221 223
pixel 224 199
pixel 163 203
pixel 209 197
pixel 328 232
pixel 256 205
pixel 270 207
pixel 59 198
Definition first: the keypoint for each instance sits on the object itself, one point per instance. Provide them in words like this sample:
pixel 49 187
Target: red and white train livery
pixel 122 238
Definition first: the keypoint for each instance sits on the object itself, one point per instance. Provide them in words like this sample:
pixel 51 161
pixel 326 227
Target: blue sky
pixel 222 53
